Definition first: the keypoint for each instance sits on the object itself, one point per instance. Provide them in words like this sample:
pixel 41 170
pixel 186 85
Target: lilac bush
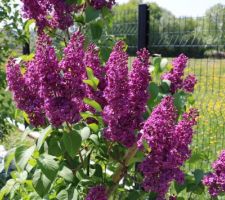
pixel 103 125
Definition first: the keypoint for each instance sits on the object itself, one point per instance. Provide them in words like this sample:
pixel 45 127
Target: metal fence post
pixel 26 48
pixel 143 26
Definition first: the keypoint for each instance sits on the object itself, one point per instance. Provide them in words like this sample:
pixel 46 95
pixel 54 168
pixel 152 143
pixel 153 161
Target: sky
pixel 179 8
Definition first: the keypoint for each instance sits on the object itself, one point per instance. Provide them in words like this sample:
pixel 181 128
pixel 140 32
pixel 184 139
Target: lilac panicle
pixel 34 10
pixel 47 67
pixel 62 14
pixel 139 78
pixel 97 193
pixel 99 4
pixel 176 74
pixel 72 66
pixel 26 98
pixel 215 181
pixel 91 59
pixel 189 83
pixel 40 10
pixel 116 113
pixel 169 143
pixel 58 100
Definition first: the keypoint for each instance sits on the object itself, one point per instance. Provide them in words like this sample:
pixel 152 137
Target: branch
pixel 122 169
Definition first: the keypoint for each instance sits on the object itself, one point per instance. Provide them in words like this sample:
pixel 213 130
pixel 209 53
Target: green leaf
pixel 86 115
pixel 179 187
pixel 156 63
pixel 71 1
pixel 105 53
pixel 90 83
pixel 41 183
pixel 95 139
pixel 7 188
pixel 79 18
pixel 165 86
pixel 63 195
pixel 22 155
pixel 179 101
pixel 98 171
pixel 43 135
pixel 27 58
pixel 163 64
pixel 54 147
pixel 73 194
pixel 48 166
pixel 92 80
pixel 133 195
pixel 96 29
pixel 9 158
pixel 66 173
pixel 94 127
pixel 85 133
pixel 27 26
pixel 93 104
pixel 198 174
pixel 154 90
pixel 91 14
pixel 26 117
pixel 90 73
pixel 72 142
pixel 152 196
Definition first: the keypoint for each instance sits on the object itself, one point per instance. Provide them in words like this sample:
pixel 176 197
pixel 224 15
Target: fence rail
pixel 203 40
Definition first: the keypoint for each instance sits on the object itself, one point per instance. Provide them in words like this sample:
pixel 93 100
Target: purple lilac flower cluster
pixel 50 88
pixel 169 143
pixel 26 97
pixel 99 4
pixel 216 181
pixel 175 76
pixel 52 13
pixel 139 78
pixel 97 193
pixel 126 94
pixel 57 13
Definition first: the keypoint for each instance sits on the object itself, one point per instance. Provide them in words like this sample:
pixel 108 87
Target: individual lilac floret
pixel 40 10
pixel 26 98
pixel 139 78
pixel 99 4
pixel 91 59
pixel 169 144
pixel 189 83
pixel 116 113
pixel 97 193
pixel 176 74
pixel 215 181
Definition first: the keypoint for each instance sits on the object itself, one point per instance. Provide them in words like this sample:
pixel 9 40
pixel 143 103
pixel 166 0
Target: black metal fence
pixel 203 40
